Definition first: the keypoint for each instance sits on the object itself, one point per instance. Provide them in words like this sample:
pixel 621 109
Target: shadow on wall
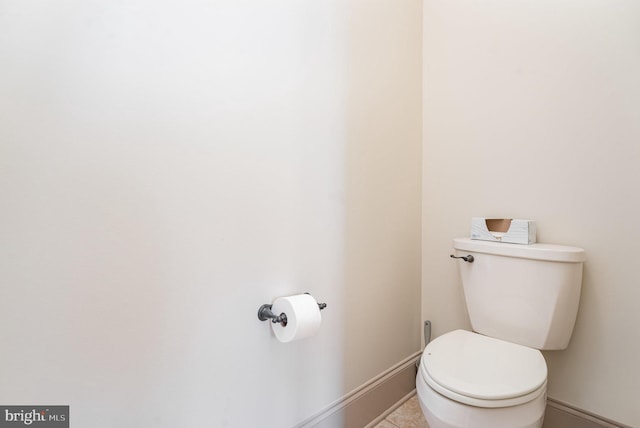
pixel 383 200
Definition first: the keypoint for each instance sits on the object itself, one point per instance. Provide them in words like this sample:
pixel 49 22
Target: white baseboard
pixel 368 402
pixel 563 415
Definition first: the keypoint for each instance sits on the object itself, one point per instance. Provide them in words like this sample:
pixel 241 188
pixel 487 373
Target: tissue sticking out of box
pixel 514 231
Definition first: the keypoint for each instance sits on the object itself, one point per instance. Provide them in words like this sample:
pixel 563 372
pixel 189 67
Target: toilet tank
pixel 525 294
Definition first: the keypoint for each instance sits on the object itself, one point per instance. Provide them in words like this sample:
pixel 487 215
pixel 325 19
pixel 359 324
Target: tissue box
pixel 514 231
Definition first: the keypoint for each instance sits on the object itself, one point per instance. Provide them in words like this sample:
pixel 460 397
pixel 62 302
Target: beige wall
pixel 531 110
pixel 168 167
pixel 384 123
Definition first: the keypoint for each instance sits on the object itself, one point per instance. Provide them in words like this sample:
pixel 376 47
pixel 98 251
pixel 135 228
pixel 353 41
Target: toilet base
pixel 442 412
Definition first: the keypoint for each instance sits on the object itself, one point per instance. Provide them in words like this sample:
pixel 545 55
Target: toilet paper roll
pixel 303 317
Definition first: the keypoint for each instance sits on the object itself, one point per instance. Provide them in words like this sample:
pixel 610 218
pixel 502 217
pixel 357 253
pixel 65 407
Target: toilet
pixel 521 299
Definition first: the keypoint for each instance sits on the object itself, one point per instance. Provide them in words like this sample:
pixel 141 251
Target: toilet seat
pixel 482 371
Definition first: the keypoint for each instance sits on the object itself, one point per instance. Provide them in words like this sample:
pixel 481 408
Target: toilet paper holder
pixel 265 313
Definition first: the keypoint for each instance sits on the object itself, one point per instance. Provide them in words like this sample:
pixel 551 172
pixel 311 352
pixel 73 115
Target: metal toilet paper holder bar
pixel 265 313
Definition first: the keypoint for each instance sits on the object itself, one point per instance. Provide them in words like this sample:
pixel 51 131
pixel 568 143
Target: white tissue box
pixel 514 231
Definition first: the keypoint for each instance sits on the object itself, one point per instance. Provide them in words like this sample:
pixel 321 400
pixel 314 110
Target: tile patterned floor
pixel 408 415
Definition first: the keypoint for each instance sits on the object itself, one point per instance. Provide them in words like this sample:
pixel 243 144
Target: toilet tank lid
pixel 550 252
pixel 485 368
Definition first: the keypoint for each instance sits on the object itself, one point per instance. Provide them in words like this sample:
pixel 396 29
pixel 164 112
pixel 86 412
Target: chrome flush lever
pixel 468 258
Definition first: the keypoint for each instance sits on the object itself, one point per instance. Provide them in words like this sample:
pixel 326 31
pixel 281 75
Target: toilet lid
pixel 483 368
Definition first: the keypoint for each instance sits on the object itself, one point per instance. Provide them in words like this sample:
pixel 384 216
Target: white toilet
pixel 521 299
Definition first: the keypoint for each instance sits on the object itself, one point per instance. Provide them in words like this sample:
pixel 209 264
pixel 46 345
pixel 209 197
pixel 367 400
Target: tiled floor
pixel 408 415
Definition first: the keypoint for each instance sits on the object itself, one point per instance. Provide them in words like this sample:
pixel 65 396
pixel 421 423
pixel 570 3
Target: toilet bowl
pixel 474 381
